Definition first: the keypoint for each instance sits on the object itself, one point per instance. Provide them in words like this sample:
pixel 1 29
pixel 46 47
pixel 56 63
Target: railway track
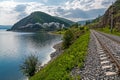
pixel 110 63
pixel 114 39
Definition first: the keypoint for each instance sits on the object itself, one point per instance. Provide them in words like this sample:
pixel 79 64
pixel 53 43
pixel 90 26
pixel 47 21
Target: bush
pixel 81 28
pixel 30 65
pixel 67 39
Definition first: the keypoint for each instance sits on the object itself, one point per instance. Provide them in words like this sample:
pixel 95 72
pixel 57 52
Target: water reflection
pixel 15 46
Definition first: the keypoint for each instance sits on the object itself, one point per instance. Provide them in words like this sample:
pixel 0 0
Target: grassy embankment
pixel 60 68
pixel 107 30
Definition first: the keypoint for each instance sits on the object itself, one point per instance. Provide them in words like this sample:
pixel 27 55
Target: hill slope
pixel 113 10
pixel 65 20
pixel 60 68
pixel 39 21
pixel 84 22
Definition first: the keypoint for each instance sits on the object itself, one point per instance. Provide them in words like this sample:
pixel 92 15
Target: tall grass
pixel 60 68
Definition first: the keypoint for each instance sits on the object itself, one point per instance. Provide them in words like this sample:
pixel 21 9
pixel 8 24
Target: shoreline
pixel 57 47
pixel 55 54
pixel 52 33
pixel 58 50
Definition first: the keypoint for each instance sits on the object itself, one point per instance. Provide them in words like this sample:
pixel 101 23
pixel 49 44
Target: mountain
pixel 65 20
pixel 37 21
pixel 111 14
pixel 83 22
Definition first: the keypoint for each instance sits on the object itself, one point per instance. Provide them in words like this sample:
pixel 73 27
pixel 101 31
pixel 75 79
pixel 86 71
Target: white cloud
pixel 45 1
pixel 7 15
pixel 87 4
pixel 10 11
pixel 33 6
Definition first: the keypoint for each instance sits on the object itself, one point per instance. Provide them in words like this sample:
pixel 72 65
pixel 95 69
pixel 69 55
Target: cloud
pixel 79 14
pixel 20 8
pixel 45 1
pixel 88 4
pixel 106 3
pixel 12 11
pixel 7 13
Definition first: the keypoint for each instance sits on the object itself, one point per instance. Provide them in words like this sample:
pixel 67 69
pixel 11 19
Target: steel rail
pixel 113 58
pixel 109 37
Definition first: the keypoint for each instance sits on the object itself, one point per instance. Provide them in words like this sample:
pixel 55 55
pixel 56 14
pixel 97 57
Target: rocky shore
pixel 59 50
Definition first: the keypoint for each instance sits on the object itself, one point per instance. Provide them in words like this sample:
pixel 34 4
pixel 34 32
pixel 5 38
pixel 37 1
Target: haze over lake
pixel 14 46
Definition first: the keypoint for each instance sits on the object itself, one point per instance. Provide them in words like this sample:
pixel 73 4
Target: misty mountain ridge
pixel 38 21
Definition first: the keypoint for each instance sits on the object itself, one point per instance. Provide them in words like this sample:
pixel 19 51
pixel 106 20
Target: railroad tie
pixel 104 62
pixel 106 66
pixel 110 73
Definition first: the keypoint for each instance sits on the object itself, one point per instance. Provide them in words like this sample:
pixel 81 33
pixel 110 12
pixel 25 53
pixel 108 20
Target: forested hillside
pixel 37 21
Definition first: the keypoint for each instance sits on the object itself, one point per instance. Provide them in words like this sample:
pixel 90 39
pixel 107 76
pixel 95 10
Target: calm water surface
pixel 14 46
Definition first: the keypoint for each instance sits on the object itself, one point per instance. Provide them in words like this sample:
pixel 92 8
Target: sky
pixel 11 11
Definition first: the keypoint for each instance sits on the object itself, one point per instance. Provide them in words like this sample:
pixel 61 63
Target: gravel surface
pixel 117 38
pixel 112 45
pixel 92 69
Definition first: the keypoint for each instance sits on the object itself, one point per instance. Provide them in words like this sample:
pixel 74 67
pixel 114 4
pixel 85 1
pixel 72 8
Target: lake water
pixel 14 46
